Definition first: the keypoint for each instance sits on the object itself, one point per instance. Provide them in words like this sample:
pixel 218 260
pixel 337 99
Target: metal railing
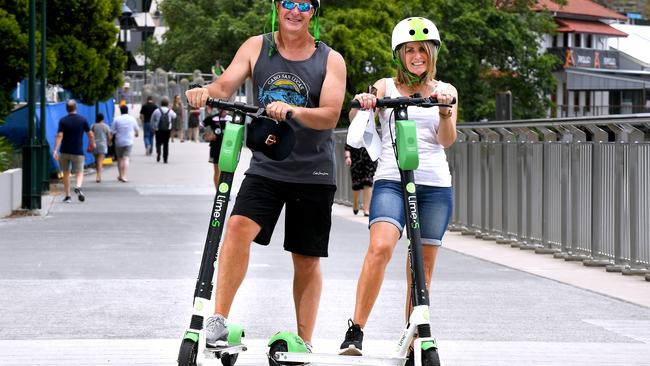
pixel 597 110
pixel 577 188
pixel 159 84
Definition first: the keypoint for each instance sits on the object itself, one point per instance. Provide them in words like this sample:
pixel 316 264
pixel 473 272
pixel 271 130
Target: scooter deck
pixel 218 352
pixel 322 359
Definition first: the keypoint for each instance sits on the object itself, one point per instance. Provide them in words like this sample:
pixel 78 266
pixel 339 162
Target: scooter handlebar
pixel 427 102
pixel 233 106
pixel 230 106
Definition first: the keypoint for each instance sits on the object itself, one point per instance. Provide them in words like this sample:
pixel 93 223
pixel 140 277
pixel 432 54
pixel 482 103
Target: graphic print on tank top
pixel 285 87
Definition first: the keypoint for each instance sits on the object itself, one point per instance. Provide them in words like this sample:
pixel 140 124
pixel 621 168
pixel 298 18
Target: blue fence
pixel 15 127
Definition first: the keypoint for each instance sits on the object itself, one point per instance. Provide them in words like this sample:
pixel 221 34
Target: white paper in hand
pixel 357 128
pixel 362 133
pixel 371 139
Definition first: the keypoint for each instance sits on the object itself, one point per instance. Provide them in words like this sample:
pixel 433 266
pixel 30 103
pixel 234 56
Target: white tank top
pixel 433 169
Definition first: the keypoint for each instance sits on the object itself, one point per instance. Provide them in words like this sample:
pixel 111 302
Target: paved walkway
pixel 110 282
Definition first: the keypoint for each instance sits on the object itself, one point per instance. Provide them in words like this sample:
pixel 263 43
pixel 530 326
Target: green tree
pixel 204 31
pixel 487 47
pixel 14 47
pixel 81 43
pixel 362 36
pixel 82 37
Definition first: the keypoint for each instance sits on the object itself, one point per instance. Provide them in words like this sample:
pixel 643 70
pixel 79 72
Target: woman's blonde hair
pixel 404 77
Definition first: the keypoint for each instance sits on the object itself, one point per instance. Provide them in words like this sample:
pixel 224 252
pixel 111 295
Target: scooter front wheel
pixel 187 353
pixel 229 360
pixel 279 346
pixel 430 357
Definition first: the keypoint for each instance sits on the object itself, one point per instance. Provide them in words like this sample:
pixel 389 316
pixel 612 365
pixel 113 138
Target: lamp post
pixel 45 146
pixel 144 41
pixel 31 198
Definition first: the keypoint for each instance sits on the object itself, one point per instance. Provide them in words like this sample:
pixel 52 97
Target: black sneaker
pixel 351 346
pixel 67 199
pixel 80 194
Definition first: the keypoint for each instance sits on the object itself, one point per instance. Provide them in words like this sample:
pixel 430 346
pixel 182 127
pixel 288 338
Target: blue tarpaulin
pixel 15 127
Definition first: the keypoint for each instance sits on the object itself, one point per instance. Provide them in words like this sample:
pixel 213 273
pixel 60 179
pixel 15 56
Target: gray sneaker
pixel 216 330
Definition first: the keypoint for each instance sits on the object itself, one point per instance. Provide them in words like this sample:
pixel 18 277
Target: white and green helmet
pixel 415 29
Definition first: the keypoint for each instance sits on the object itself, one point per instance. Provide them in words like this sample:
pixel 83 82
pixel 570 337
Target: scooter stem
pixel 419 292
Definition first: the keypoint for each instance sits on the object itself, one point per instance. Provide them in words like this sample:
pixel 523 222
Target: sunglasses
pixel 302 7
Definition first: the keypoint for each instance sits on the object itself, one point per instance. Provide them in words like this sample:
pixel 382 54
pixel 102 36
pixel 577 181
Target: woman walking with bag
pixel 102 139
pixel 179 124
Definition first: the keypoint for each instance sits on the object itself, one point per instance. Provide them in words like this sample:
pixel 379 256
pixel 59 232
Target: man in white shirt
pixel 125 129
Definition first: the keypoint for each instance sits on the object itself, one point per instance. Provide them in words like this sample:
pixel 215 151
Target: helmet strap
pixel 316 27
pixel 413 79
pixel 274 14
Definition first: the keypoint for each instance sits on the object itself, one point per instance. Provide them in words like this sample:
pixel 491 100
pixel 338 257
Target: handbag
pixel 90 148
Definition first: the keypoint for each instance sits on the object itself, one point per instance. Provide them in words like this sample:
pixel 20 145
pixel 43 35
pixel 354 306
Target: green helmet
pixel 415 29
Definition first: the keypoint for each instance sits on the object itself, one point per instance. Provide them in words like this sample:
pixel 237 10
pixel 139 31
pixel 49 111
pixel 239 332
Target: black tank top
pixel 297 83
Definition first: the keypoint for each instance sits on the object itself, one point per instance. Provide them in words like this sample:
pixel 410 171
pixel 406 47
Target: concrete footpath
pixel 110 281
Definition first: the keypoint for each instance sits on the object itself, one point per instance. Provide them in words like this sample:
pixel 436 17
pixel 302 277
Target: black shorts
pixel 308 215
pixel 215 149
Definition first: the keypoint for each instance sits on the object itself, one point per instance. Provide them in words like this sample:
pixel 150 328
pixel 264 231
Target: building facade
pixel 141 20
pixel 595 78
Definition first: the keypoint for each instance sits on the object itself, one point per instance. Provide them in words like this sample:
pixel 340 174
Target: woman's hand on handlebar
pixel 366 100
pixel 197 97
pixel 444 97
pixel 280 111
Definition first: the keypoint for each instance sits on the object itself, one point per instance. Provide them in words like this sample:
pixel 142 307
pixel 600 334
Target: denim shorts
pixel 434 208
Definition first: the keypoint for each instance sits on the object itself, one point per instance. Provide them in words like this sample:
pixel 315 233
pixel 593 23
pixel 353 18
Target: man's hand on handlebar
pixel 279 111
pixel 197 97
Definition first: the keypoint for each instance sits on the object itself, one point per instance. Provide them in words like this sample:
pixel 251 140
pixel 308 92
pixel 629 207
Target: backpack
pixel 163 123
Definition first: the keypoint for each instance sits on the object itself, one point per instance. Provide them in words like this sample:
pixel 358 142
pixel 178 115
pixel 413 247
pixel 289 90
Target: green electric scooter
pixel 287 348
pixel 193 350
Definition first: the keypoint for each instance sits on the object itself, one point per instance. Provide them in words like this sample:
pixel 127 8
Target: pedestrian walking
pixel 161 123
pixel 194 118
pixel 145 119
pixel 215 126
pixel 292 72
pixel 362 171
pixel 179 122
pixel 125 129
pixel 69 138
pixel 102 136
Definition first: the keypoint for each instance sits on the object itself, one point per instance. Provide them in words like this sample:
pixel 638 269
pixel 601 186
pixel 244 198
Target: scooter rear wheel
pixel 187 353
pixel 430 357
pixel 229 360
